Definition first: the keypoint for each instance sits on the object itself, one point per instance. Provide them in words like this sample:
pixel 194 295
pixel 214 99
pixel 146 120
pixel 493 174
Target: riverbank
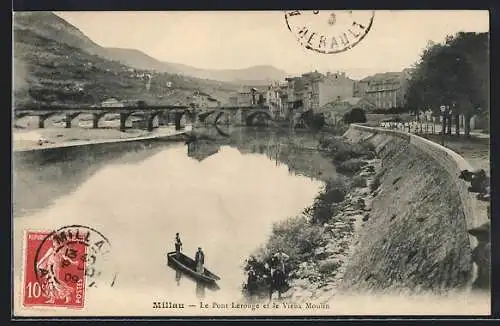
pixel 400 228
pixel 319 240
pixel 27 140
pixel 319 279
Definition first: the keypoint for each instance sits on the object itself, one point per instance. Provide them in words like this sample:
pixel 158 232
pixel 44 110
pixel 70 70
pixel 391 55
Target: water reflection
pixel 178 276
pixel 42 176
pixel 219 194
pixel 297 151
pixel 199 287
pixel 200 290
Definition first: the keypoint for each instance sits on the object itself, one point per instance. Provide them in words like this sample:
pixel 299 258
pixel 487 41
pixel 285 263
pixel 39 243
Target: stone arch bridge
pixel 237 115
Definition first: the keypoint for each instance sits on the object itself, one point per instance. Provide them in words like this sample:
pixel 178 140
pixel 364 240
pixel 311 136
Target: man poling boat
pixel 178 245
pixel 193 267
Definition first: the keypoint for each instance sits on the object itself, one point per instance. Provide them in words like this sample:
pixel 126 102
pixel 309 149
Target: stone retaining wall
pixel 446 160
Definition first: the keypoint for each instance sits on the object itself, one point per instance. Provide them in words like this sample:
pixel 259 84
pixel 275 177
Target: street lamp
pixel 442 108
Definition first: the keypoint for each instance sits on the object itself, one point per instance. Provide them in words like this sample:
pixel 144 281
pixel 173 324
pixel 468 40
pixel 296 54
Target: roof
pixel 386 76
pixel 385 89
pixel 353 100
pixel 112 99
pixel 313 75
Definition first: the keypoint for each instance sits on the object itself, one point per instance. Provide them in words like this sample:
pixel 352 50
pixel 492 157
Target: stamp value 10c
pixel 54 272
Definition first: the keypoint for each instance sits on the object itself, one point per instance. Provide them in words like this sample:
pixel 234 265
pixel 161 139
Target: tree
pixel 261 100
pixel 356 115
pixel 456 74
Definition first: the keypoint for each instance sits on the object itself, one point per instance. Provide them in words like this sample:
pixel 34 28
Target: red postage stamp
pixel 54 273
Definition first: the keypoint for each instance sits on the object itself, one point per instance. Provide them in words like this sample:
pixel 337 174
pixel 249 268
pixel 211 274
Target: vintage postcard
pixel 251 163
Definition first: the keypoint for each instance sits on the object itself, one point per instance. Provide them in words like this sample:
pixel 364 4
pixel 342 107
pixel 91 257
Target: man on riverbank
pixel 479 183
pixel 251 284
pixel 281 257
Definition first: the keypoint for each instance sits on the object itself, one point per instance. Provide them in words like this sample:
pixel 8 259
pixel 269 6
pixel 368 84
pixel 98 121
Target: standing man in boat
pixel 178 245
pixel 199 260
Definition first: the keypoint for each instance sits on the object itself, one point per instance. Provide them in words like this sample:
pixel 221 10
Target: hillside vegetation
pixel 54 63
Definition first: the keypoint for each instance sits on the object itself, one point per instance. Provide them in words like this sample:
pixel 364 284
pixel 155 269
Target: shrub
pixel 341 150
pixel 297 237
pixel 397 110
pixel 329 266
pixel 356 115
pixel 315 121
pixel 325 206
pixel 351 166
pixel 359 182
pixel 376 182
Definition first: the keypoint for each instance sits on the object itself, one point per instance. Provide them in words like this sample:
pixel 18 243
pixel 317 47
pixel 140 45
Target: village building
pixel 112 102
pixel 275 99
pixel 204 100
pixel 334 111
pixel 244 98
pixel 314 90
pixel 386 90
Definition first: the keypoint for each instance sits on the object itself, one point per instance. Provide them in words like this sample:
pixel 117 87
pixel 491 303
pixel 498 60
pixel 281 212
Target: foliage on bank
pixel 356 115
pixel 454 72
pixel 299 236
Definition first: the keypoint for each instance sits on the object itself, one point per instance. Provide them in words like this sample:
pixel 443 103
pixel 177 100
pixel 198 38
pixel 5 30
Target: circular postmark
pixel 73 257
pixel 329 32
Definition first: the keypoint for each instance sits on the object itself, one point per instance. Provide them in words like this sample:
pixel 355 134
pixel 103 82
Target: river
pixel 222 194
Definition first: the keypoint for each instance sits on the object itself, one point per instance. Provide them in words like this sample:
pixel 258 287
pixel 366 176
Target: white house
pixel 112 102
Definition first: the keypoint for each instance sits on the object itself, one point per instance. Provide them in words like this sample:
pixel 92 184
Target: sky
pixel 240 39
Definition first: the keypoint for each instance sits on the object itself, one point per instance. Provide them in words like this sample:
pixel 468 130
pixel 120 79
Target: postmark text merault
pixel 329 32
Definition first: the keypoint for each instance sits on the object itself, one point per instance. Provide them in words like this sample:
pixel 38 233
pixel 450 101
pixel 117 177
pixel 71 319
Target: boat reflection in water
pixel 178 276
pixel 200 290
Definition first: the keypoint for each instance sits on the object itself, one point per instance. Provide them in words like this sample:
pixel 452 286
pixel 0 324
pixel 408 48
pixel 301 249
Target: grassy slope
pixel 415 236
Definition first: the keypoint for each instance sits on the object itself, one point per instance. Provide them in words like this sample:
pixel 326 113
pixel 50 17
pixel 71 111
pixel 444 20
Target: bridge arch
pixel 229 115
pixel 179 114
pixel 204 116
pixel 261 113
pixel 124 117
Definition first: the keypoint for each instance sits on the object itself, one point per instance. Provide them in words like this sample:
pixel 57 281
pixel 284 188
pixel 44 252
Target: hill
pixel 51 26
pixel 255 75
pixel 55 63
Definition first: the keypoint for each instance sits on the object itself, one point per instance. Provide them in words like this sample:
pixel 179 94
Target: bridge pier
pixel 95 119
pixel 195 117
pixel 177 118
pixel 43 117
pixel 70 117
pixel 150 119
pixel 240 117
pixel 123 120
pixel 41 121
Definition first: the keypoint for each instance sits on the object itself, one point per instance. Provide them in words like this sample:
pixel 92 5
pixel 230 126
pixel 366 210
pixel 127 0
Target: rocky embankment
pixel 320 240
pixel 319 278
pixel 396 223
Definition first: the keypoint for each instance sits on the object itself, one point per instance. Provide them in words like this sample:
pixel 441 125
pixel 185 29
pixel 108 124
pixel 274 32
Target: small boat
pixel 187 265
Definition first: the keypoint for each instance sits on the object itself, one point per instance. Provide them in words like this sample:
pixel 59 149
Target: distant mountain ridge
pixel 260 74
